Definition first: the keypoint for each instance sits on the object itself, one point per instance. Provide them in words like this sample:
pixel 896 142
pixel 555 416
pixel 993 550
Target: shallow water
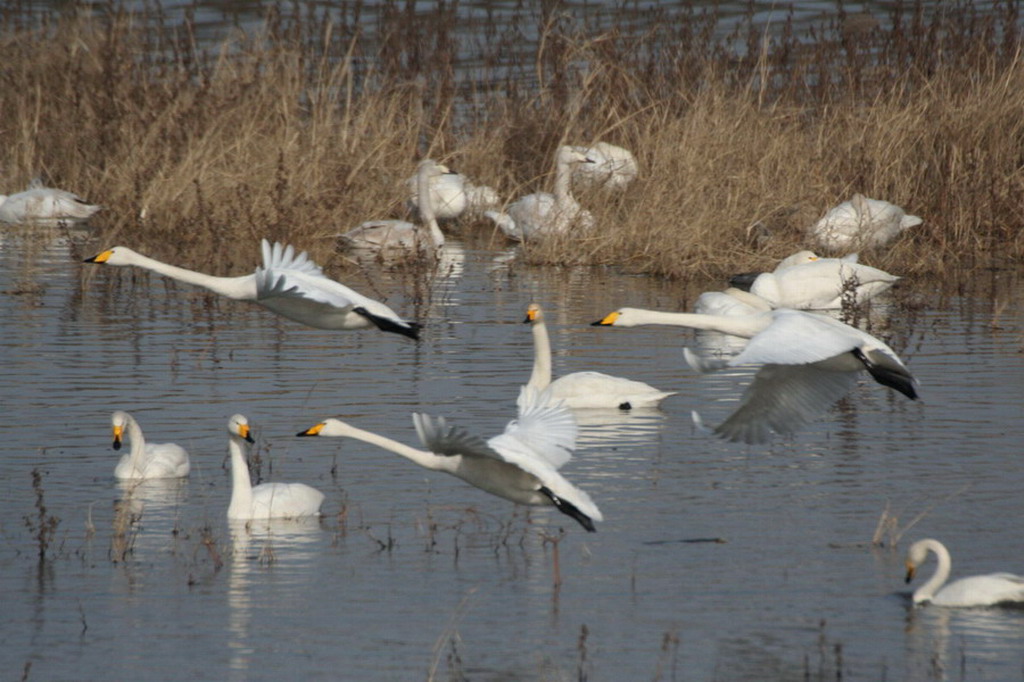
pixel 414 575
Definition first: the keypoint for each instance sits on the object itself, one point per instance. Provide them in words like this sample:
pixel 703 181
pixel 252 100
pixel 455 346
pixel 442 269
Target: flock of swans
pixel 805 359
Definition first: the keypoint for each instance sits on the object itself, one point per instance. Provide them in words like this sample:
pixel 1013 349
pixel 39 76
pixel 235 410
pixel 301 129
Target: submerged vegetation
pixel 309 124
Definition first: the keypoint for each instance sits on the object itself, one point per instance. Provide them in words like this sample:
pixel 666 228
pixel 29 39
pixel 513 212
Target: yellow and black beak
pixel 532 313
pixel 100 257
pixel 911 570
pixel 607 321
pixel 118 431
pixel 312 431
pixel 245 432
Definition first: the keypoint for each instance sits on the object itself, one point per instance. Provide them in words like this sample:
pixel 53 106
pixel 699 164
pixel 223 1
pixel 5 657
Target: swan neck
pixel 138 449
pixel 424 458
pixel 540 378
pixel 426 204
pixel 939 578
pixel 241 484
pixel 563 183
pixel 740 325
pixel 243 288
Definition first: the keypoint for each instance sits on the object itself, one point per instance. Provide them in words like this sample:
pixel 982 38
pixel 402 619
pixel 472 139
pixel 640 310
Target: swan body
pixel 146 460
pixel 731 302
pixel 291 285
pixel 266 500
pixel 861 222
pixel 541 214
pixel 520 465
pixel 821 284
pixel 45 204
pixel 400 235
pixel 583 389
pixel 607 166
pixel 452 195
pixel 978 590
pixel 807 362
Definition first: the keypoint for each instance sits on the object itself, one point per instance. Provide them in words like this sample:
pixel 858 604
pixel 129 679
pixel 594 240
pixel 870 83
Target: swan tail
pixel 387 324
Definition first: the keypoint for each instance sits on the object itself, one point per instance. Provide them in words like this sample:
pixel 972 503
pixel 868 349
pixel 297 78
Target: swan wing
pixel 440 438
pixel 795 338
pixel 279 257
pixel 285 500
pixel 982 590
pixel 545 431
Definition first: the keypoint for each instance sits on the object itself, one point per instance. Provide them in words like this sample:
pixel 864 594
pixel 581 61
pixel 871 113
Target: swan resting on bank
pixel 977 590
pixel 146 460
pixel 266 500
pixel 583 389
pixel 46 205
pixel 520 464
pixel 607 166
pixel 860 223
pixel 452 195
pixel 291 285
pixel 542 214
pixel 808 361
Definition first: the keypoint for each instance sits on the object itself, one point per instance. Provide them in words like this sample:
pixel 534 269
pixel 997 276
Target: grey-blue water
pixel 414 575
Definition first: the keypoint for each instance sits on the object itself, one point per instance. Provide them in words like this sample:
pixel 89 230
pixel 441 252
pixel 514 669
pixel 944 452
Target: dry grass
pixel 309 126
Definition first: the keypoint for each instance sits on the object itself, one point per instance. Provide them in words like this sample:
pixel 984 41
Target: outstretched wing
pixel 544 431
pixel 280 257
pixel 442 439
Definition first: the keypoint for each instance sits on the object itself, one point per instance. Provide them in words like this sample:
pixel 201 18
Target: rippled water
pixel 414 575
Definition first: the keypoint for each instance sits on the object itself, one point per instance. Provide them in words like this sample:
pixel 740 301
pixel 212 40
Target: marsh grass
pixel 309 125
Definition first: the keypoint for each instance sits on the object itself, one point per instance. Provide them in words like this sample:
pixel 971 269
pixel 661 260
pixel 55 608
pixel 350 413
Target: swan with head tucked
pixel 607 166
pixel 540 214
pixel 977 590
pixel 266 500
pixel 47 205
pixel 146 460
pixel 520 464
pixel 401 236
pixel 452 195
pixel 583 389
pixel 820 283
pixel 291 285
pixel 861 222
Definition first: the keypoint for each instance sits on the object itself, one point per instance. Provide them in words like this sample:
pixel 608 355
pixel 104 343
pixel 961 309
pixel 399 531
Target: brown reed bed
pixel 309 125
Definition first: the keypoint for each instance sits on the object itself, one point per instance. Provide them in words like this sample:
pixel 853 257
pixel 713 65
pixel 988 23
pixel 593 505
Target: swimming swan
pixel 146 460
pixel 821 284
pixel 861 222
pixel 45 204
pixel 520 465
pixel 267 500
pixel 583 389
pixel 607 166
pixel 290 285
pixel 977 590
pixel 808 362
pixel 540 214
pixel 401 235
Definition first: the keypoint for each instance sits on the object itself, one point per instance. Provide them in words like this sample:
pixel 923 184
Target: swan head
pixel 238 425
pixel 117 255
pixel 328 427
pixel 533 314
pixel 567 154
pixel 798 258
pixel 119 421
pixel 623 317
pixel 918 553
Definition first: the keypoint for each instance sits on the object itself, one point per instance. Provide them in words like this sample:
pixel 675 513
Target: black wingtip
pixel 895 378
pixel 569 509
pixel 410 329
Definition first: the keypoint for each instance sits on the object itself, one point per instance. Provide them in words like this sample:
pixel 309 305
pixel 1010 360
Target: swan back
pixel 607 165
pixel 979 590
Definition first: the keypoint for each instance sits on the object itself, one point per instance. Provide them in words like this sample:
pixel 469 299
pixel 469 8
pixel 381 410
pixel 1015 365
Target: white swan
pixel 452 195
pixel 540 214
pixel 977 590
pixel 861 222
pixel 808 362
pixel 520 465
pixel 726 321
pixel 290 285
pixel 45 205
pixel 731 302
pixel 821 284
pixel 267 500
pixel 607 166
pixel 400 235
pixel 146 460
pixel 583 389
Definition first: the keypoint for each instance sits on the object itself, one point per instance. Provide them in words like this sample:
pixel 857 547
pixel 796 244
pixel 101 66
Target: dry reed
pixel 309 126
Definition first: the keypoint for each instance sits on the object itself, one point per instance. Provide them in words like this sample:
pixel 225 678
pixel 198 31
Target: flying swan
pixel 583 389
pixel 520 465
pixel 267 500
pixel 146 460
pixel 976 590
pixel 293 286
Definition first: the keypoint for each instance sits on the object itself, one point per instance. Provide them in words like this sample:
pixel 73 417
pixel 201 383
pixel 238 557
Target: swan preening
pixel 861 222
pixel 452 195
pixel 267 500
pixel 146 460
pixel 808 362
pixel 976 590
pixel 806 282
pixel 540 214
pixel 402 236
pixel 291 285
pixel 607 166
pixel 583 389
pixel 520 464
pixel 45 205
